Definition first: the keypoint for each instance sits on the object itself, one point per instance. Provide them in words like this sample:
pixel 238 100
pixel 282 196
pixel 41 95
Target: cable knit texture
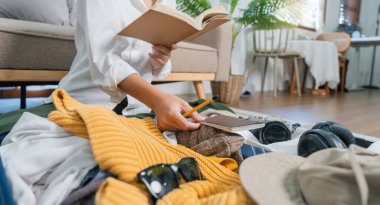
pixel 125 146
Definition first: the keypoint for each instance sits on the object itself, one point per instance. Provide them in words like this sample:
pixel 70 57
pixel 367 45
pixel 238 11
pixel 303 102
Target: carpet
pixel 304 126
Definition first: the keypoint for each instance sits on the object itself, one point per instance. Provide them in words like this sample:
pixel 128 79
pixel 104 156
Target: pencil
pixel 200 106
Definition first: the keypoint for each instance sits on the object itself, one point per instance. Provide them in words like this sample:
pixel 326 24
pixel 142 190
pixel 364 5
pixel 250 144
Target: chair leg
pixel 275 77
pixel 23 97
pixel 304 77
pixel 297 77
pixel 199 89
pixel 265 74
pixel 342 77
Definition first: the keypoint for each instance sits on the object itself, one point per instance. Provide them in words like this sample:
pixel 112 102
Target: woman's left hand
pixel 160 56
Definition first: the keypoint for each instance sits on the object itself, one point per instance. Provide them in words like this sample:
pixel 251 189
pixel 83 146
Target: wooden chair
pixel 342 42
pixel 266 44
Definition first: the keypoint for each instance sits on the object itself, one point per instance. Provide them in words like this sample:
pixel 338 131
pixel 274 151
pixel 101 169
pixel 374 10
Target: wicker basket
pixel 229 92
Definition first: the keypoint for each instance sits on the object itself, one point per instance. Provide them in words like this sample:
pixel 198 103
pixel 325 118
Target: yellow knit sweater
pixel 125 146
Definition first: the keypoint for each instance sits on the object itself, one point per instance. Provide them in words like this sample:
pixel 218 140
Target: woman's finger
pixel 157 60
pixel 162 49
pixel 195 115
pixel 161 54
pixel 184 124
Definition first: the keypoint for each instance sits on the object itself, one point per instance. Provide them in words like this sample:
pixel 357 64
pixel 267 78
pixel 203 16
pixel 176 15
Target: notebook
pixel 232 124
pixel 163 25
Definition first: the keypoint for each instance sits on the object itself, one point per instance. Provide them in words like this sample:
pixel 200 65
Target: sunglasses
pixel 160 179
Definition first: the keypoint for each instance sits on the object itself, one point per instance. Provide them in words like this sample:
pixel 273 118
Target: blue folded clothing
pixel 5 190
pixel 249 151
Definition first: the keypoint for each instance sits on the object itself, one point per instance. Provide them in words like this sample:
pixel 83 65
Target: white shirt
pixel 104 58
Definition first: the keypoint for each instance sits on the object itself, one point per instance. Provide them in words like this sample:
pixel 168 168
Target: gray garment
pixel 84 195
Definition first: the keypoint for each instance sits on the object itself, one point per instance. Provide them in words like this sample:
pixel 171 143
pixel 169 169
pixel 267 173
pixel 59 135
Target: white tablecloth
pixel 320 56
pixel 322 59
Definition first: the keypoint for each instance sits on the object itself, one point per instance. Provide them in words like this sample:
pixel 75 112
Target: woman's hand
pixel 160 56
pixel 169 109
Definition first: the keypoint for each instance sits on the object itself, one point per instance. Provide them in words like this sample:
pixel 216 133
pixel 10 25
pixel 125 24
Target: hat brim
pixel 272 179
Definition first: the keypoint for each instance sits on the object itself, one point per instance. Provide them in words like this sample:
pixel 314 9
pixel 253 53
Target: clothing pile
pixel 86 154
pixel 46 167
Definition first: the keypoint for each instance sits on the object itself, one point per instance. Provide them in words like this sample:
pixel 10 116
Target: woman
pixel 108 67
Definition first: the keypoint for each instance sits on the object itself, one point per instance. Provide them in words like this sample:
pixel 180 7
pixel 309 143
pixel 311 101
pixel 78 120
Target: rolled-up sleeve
pixel 100 21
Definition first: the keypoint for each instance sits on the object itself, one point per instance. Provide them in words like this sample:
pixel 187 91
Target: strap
pixel 359 176
pixel 121 106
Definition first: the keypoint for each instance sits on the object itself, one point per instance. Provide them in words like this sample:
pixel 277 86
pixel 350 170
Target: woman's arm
pixel 168 108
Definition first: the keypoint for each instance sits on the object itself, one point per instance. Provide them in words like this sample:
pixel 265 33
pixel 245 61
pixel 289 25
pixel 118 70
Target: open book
pixel 163 25
pixel 232 124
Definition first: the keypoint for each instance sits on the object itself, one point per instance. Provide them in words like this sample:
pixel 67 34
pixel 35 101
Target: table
pixel 322 59
pixel 366 41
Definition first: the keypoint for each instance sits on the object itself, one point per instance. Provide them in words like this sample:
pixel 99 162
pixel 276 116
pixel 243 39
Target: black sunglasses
pixel 160 179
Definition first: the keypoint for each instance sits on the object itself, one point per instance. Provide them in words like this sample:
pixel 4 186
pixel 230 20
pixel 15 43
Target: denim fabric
pixel 249 151
pixel 84 195
pixel 89 176
pixel 5 190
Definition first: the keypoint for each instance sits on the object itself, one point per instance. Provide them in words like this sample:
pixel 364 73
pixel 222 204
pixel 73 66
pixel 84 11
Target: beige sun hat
pixel 330 176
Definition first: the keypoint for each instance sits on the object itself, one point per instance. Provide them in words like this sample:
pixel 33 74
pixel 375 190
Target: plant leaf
pixel 294 10
pixel 193 7
pixel 269 14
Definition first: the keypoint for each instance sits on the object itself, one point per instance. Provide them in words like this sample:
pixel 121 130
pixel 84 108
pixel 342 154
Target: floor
pixel 11 104
pixel 359 111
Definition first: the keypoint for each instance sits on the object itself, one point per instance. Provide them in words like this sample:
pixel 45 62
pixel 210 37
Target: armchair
pixel 37 53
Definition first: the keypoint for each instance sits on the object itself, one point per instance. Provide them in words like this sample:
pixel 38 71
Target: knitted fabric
pixel 125 146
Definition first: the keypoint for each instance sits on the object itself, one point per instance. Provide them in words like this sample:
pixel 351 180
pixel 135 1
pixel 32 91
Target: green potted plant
pixel 261 14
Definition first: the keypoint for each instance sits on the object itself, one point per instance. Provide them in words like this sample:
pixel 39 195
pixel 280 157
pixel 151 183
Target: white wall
pixel 361 58
pixel 332 15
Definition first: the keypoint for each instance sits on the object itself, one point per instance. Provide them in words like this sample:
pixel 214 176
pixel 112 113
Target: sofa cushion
pixel 36 29
pixel 44 11
pixel 30 45
pixel 194 58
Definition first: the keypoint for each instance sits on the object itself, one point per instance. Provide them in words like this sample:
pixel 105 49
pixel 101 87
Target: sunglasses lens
pixel 159 180
pixel 189 169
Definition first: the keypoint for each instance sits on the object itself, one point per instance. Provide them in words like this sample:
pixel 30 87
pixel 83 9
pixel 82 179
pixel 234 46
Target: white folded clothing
pixel 43 162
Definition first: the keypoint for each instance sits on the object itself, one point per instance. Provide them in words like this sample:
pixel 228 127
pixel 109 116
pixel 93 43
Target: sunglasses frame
pixel 176 169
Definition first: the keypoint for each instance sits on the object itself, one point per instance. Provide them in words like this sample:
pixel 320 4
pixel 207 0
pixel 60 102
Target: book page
pixel 209 13
pixel 163 25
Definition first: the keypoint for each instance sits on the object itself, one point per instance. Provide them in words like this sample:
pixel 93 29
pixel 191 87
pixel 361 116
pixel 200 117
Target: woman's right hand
pixel 169 109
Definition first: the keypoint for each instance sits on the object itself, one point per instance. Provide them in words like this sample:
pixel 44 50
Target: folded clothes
pixel 43 162
pixel 125 146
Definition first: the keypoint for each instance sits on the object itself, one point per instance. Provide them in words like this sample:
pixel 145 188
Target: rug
pixel 304 126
